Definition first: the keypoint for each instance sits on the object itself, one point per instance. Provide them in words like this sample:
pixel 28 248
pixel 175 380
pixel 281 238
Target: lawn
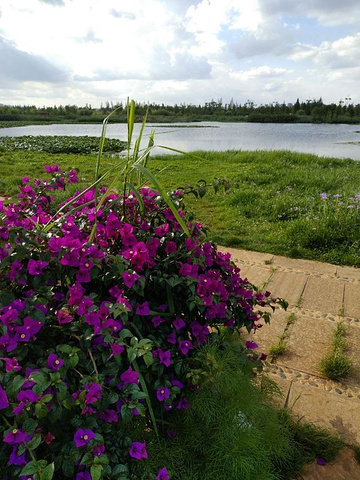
pixel 281 202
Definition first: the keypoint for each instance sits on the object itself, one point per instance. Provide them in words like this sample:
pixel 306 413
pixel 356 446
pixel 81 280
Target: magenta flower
pixel 76 293
pixel 63 316
pixel 185 346
pixel 25 397
pixel 36 267
pixel 130 278
pixel 129 376
pixel 93 393
pixel 171 338
pixel 15 269
pixel 143 309
pixel 98 450
pixel 170 247
pixel 108 416
pixel 4 402
pixel 138 450
pixel 11 364
pixel 83 476
pixel 162 393
pixel 54 362
pixel 183 403
pixel 179 323
pixel 157 320
pixel 83 436
pixel 188 270
pixel 162 475
pixel 165 358
pixel 251 345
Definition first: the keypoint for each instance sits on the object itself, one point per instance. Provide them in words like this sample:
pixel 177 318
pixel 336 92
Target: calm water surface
pixel 321 139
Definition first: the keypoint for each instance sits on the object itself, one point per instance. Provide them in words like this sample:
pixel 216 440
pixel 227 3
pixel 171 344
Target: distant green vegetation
pixel 292 204
pixel 59 144
pixel 213 111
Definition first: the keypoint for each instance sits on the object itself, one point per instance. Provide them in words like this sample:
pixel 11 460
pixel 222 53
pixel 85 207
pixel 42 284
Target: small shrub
pixel 279 349
pixel 336 364
pixel 103 307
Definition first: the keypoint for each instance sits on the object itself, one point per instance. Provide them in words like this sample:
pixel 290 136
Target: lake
pixel 320 139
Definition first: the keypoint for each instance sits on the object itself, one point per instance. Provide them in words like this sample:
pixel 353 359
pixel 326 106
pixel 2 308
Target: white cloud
pixel 183 50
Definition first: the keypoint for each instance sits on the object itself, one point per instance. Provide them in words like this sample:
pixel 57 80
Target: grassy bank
pixel 285 203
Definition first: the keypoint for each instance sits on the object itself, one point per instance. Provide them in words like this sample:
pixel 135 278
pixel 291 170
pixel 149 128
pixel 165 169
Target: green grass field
pixel 280 202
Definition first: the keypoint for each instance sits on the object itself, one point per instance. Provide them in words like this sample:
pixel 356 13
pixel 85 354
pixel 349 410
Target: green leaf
pixel 18 382
pixel 6 297
pixel 47 398
pixel 48 472
pixel 120 469
pixel 64 348
pixel 29 469
pixel 34 442
pixel 96 472
pixel 131 354
pixel 40 379
pixel 41 410
pixel 74 360
pixel 125 333
pixel 148 359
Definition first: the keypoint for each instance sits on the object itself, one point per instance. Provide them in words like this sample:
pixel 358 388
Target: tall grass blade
pixel 130 110
pixel 164 195
pixel 148 402
pixel 139 138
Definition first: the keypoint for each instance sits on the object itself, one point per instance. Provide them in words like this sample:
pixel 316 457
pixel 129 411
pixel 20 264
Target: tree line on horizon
pixel 305 111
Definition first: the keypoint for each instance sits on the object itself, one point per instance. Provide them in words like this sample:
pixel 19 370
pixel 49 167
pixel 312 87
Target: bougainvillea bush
pixel 102 308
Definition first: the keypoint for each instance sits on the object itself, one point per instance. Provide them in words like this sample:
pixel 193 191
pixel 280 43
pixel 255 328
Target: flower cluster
pixel 102 307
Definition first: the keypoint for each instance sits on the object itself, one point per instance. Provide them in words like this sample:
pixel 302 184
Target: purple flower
pixel 183 403
pixel 324 196
pixel 4 402
pixel 171 338
pixel 251 345
pixel 83 476
pixel 16 459
pixel 11 364
pixel 83 436
pixel 25 397
pixel 170 247
pixel 54 362
pixel 138 450
pixel 321 461
pixel 188 270
pixel 64 316
pixel 130 278
pixel 93 393
pixel 116 349
pixel 162 393
pixel 108 416
pixel 98 450
pixel 185 346
pixel 16 436
pixel 162 475
pixel 165 358
pixel 179 323
pixel 129 376
pixel 143 309
pixel 36 267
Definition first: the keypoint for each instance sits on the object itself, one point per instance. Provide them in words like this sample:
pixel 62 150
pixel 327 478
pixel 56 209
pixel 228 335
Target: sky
pixel 78 52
